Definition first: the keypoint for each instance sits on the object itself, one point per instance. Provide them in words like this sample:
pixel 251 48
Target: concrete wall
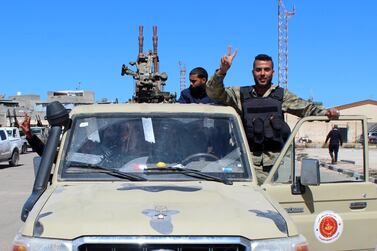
pixel 27 101
pixel 318 131
pixel 75 97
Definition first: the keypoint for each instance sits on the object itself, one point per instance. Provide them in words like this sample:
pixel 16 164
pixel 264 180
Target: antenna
pixel 182 75
pixel 283 16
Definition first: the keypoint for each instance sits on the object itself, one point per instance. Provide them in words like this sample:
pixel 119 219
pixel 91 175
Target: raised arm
pixel 226 61
pixel 25 126
pixel 36 144
pixel 215 86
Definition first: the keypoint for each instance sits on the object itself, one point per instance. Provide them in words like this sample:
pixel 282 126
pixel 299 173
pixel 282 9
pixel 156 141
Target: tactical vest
pixel 263 120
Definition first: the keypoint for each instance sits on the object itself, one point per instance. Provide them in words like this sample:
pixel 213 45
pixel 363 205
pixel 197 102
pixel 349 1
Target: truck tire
pixel 14 159
pixel 24 148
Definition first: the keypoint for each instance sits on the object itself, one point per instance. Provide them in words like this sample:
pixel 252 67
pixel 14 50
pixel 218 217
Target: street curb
pixel 348 172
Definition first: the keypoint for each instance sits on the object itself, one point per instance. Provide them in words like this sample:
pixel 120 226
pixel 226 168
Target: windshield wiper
pixel 109 171
pixel 192 173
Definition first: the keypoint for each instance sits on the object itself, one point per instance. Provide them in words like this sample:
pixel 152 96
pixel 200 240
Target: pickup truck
pixel 40 132
pixel 17 136
pixel 10 145
pixel 180 177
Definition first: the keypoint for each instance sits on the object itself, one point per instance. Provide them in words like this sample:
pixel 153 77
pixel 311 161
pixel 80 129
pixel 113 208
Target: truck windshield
pixel 138 145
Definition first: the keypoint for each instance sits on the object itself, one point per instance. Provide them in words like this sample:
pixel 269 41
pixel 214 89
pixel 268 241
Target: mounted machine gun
pixel 149 82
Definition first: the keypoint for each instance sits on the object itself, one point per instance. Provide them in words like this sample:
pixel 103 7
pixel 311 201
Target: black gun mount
pixel 149 82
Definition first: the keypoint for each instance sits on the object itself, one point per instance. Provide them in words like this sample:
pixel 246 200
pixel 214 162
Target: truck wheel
pixel 14 159
pixel 24 148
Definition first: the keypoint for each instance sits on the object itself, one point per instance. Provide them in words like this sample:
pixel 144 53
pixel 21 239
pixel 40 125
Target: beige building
pixel 36 109
pixel 367 108
pixel 351 131
pixel 74 97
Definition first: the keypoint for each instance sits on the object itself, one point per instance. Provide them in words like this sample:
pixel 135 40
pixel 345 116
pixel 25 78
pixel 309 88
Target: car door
pixel 340 212
pixel 4 145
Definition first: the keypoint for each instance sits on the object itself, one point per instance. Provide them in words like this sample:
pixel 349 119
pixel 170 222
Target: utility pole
pixel 283 15
pixel 182 75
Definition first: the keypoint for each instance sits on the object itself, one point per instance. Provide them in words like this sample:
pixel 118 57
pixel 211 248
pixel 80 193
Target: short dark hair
pixel 200 71
pixel 263 57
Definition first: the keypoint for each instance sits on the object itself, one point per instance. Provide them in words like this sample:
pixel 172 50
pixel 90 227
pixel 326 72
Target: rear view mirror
pixel 310 172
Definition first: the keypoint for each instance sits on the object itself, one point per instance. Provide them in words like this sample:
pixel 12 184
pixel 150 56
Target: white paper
pixel 209 123
pixel 148 130
pixel 84 124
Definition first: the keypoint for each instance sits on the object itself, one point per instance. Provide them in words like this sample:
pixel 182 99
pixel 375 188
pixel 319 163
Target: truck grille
pixel 161 247
pixel 172 243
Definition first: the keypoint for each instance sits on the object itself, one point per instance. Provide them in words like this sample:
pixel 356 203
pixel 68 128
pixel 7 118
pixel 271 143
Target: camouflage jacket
pixel 291 104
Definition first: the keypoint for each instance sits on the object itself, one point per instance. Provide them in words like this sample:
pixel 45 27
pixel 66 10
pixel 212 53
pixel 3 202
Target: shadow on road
pixel 5 166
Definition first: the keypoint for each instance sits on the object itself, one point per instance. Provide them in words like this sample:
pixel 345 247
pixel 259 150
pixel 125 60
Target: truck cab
pixel 152 177
pixel 180 177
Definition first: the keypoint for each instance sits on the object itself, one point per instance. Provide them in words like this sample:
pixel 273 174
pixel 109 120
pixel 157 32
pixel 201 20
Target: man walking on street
pixel 261 107
pixel 335 139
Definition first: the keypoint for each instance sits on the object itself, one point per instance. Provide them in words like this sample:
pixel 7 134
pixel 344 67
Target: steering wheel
pixel 198 155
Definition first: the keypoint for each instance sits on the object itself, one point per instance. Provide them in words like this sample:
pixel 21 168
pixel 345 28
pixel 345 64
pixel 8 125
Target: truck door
pixel 4 145
pixel 339 212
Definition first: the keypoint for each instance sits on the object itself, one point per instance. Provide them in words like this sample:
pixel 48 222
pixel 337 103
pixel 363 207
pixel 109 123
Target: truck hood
pixel 155 209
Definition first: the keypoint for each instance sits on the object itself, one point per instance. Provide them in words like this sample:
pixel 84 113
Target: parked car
pixel 25 144
pixel 304 139
pixel 372 137
pixel 10 145
pixel 40 132
pixel 16 136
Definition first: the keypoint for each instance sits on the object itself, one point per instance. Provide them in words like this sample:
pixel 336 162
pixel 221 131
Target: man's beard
pixel 198 91
pixel 261 89
pixel 257 83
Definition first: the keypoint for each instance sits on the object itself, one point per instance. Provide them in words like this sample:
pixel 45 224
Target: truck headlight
pixel 297 243
pixel 22 243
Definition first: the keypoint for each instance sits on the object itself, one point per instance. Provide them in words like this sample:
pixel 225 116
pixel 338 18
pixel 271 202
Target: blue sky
pixel 55 45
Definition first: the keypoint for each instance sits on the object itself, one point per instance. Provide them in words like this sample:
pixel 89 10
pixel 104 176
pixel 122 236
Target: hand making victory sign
pixel 226 61
pixel 25 126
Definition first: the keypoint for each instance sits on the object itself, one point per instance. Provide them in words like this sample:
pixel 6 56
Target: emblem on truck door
pixel 328 227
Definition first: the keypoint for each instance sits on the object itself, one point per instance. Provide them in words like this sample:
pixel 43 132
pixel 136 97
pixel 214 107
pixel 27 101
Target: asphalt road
pixel 15 187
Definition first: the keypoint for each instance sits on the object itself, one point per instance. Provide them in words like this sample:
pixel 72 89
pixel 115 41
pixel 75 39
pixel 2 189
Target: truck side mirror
pixel 36 163
pixel 310 172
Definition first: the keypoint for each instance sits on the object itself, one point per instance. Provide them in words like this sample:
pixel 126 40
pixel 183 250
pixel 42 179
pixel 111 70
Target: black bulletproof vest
pixel 263 120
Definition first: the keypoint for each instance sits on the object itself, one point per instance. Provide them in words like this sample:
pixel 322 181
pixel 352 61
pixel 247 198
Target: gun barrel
pixel 39 121
pixel 141 39
pixel 155 58
pixel 16 124
pixel 9 117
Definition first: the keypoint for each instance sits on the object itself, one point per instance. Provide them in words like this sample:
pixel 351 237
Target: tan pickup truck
pixel 180 177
